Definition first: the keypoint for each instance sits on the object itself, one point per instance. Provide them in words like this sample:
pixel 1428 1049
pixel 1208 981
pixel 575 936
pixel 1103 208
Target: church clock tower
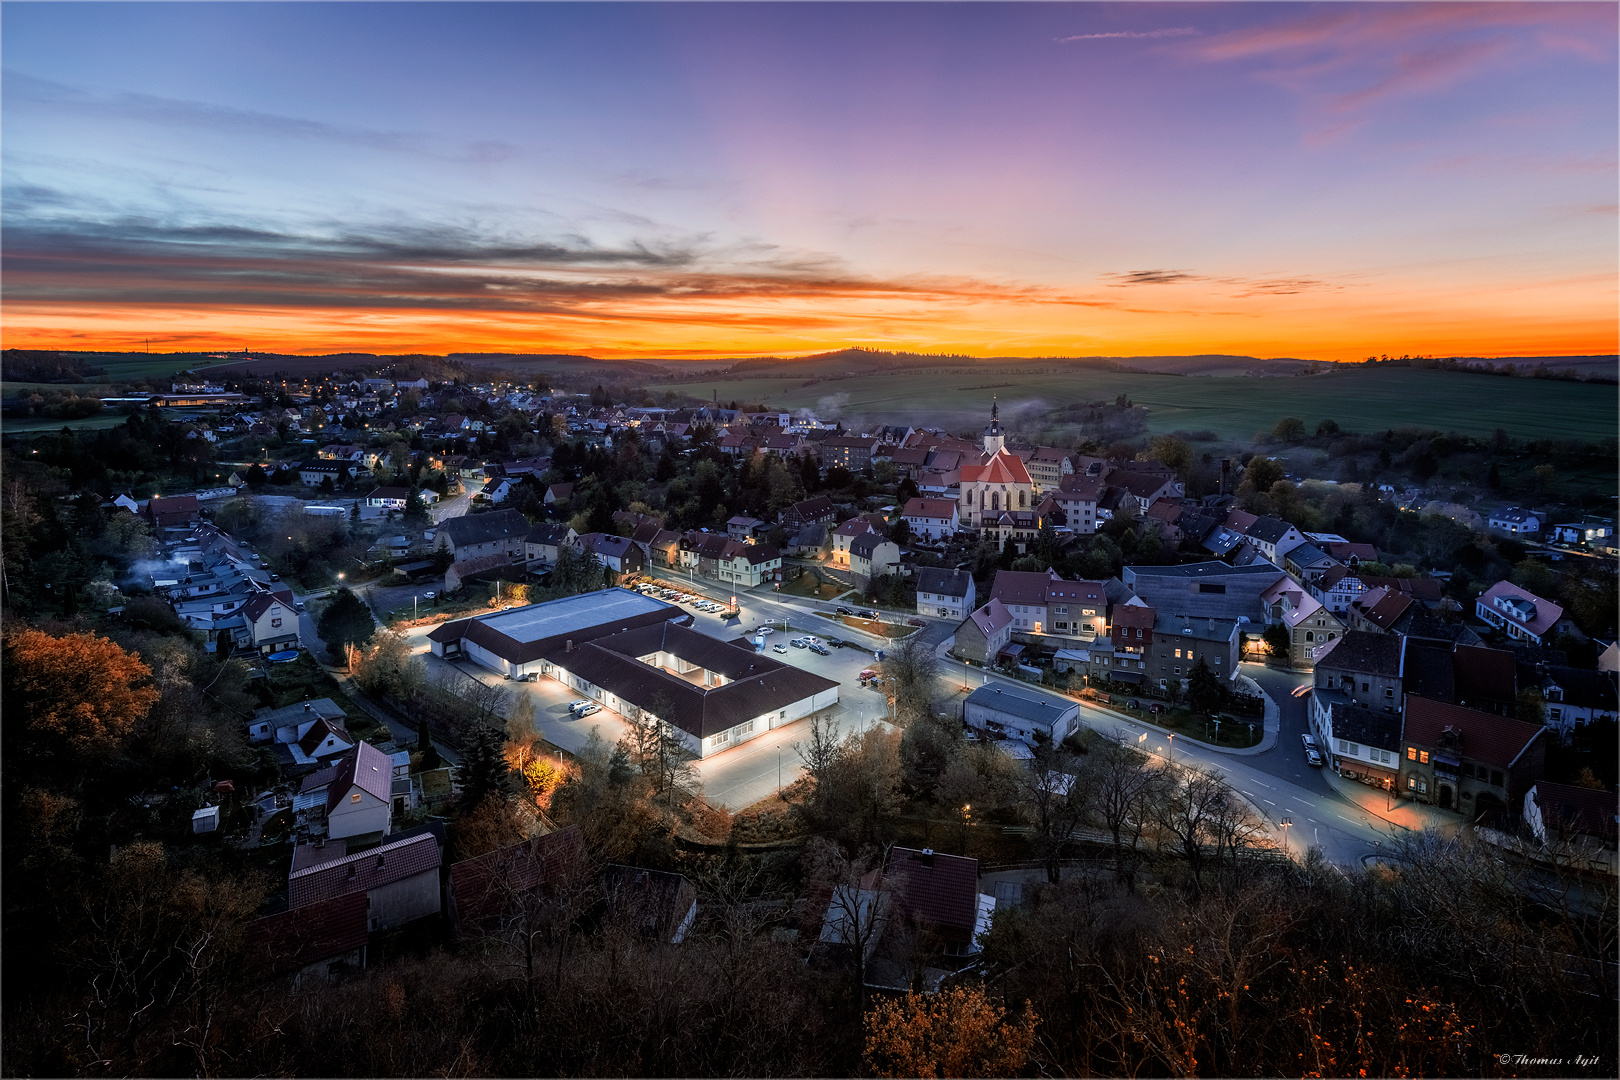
pixel 994 439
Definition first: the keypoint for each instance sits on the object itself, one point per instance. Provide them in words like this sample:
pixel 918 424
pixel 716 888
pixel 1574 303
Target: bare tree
pixel 1122 794
pixel 1054 799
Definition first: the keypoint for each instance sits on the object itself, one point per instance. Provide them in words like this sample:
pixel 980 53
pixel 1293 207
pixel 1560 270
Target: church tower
pixel 994 439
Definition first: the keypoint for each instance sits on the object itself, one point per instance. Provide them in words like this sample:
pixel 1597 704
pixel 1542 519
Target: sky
pixel 1327 181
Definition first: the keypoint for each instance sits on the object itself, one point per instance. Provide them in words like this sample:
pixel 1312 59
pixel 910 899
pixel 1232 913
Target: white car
pixel 1309 741
pixel 586 708
pixel 779 647
pixel 1312 757
pixel 575 706
pixel 763 630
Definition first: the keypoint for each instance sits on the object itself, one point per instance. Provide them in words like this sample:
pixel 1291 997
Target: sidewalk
pixel 1408 814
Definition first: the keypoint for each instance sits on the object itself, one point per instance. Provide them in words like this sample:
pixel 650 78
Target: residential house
pixel 1142 489
pixel 496 491
pixel 172 511
pixel 1077 497
pixel 743 565
pixel 388 498
pixel 940 895
pixel 742 527
pixel 1131 633
pixel 1310 626
pixel 1463 759
pixel 655 904
pixel 930 519
pixel 1366 668
pixel 1207 589
pixel 1522 614
pixel 312 473
pixel 948 594
pixel 1563 816
pixel 1273 538
pixel 1515 521
pixel 872 555
pixel 471 536
pixel 359 797
pixel 616 553
pixel 1599 534
pixel 320 941
pixel 853 453
pixel 844 536
pixel 982 635
pixel 1307 563
pixel 1574 696
pixel 1359 743
pixel 1026 715
pixel 270 622
pixel 1023 592
pixel 1178 642
pixel 510 888
pixel 814 511
pixel 1047 466
pixel 544 542
pixel 400 880
pixel 558 493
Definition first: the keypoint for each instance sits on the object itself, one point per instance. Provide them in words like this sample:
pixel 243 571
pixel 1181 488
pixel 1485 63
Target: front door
pixel 1445 796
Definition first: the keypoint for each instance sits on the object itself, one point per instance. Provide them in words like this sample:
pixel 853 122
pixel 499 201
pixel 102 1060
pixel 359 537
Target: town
pixel 411 716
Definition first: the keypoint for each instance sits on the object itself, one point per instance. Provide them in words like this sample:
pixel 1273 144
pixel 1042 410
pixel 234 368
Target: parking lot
pixel 748 772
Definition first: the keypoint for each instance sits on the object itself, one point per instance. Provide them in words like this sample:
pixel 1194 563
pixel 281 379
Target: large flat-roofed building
pixel 635 655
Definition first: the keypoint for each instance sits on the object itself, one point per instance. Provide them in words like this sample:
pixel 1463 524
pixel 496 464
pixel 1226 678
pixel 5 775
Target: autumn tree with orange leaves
pixel 955 1033
pixel 74 695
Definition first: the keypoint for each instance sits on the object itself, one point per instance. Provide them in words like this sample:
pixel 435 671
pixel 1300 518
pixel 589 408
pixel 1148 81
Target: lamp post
pixel 967 819
pixel 1285 823
pixel 1172 754
pixel 779 770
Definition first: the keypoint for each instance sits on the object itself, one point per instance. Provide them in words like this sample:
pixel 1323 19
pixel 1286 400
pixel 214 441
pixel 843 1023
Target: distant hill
pixel 844 361
pixel 33 365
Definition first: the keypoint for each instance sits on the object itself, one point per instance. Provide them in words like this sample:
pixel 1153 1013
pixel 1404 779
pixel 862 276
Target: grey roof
pixel 942 582
pixel 482 528
pixel 1308 555
pixel 1198 571
pixel 1202 628
pixel 1269 530
pixel 363 871
pixel 865 544
pixel 1584 687
pixel 523 635
pixel 1022 704
pixel 1364 652
pixel 1362 725
pixel 1206 589
pixel 544 533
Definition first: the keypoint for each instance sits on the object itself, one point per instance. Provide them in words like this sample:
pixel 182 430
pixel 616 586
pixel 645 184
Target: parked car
pixel 1309 741
pixel 1133 704
pixel 916 622
pixel 587 708
pixel 844 611
pixel 299 607
pixel 1155 708
pixel 763 630
pixel 799 643
pixel 779 647
pixel 1312 757
pixel 820 651
pixel 869 614
pixel 836 643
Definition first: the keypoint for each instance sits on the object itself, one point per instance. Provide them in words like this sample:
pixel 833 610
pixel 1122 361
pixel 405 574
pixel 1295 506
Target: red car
pixel 916 622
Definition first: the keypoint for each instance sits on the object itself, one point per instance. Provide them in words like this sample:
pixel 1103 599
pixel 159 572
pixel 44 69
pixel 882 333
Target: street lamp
pixel 1172 747
pixel 967 819
pixel 1285 823
pixel 779 771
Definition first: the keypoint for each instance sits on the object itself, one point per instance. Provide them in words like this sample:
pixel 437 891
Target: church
pixel 998 497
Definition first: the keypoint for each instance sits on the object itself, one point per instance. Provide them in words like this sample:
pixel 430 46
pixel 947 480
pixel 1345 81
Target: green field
pixel 120 368
pixel 1359 399
pixel 34 424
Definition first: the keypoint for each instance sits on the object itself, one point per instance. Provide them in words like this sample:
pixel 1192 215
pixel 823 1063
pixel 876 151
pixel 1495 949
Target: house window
pixel 1411 783
pixel 1423 757
pixel 1178 672
pixel 1178 654
pixel 1365 688
pixel 275 622
pixel 1411 753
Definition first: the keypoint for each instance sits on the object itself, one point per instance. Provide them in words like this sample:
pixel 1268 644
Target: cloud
pixel 1171 32
pixel 177 112
pixel 1153 277
pixel 1283 286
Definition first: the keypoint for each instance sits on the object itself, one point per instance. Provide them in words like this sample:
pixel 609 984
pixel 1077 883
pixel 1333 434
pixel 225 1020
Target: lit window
pixel 355 797
pixel 1423 757
pixel 1411 753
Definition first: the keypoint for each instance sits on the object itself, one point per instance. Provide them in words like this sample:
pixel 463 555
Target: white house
pixel 1520 612
pixel 1020 714
pixel 1515 520
pixel 358 802
pixel 946 593
pixel 931 519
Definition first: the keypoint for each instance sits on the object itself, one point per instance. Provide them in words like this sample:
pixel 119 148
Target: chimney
pixel 306 706
pixel 927 856
pixel 569 646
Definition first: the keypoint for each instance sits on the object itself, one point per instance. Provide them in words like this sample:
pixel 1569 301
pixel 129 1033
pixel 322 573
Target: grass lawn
pixel 34 425
pixel 807 585
pixel 1235 733
pixel 1359 399
pixel 872 626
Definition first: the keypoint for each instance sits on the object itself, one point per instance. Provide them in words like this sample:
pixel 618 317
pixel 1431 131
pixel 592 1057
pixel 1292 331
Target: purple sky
pixel 1321 180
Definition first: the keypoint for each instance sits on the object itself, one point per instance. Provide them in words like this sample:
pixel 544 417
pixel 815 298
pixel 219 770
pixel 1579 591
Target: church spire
pixel 994 439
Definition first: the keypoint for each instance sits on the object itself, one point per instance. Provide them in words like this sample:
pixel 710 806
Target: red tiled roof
pixel 1586 810
pixel 991 617
pixel 1134 616
pixel 1078 488
pixel 929 508
pixel 941 890
pixel 279 944
pixel 1022 586
pixel 494 883
pixel 1003 468
pixel 364 871
pixel 317 733
pixel 1494 740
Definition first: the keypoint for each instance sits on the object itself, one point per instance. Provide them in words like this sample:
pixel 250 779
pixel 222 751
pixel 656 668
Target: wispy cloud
pixel 1152 277
pixel 1168 32
pixel 28 90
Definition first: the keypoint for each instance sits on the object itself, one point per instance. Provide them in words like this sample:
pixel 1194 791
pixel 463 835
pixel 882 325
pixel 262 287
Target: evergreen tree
pixel 346 621
pixel 1204 690
pixel 415 507
pixel 483 769
pixel 424 743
